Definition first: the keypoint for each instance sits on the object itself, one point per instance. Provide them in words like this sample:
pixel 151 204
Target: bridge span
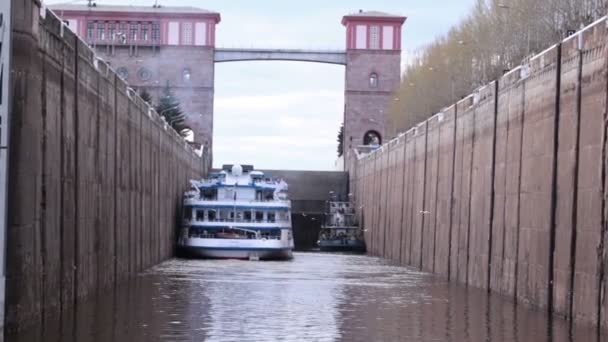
pixel 316 56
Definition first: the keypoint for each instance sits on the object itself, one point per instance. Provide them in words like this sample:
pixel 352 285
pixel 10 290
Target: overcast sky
pixel 286 115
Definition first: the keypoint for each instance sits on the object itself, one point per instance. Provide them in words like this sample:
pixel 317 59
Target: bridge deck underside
pixel 234 55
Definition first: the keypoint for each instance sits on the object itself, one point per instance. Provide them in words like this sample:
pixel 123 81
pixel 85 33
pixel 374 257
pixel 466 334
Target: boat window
pixel 200 215
pixel 259 216
pixel 229 194
pixel 224 215
pixel 209 194
pixel 239 216
pixel 268 196
pixel 247 216
pixel 271 216
pixel 284 216
pixel 187 213
pixel 212 215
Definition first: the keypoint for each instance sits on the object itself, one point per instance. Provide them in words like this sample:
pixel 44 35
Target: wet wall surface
pixel 506 190
pixel 314 297
pixel 96 178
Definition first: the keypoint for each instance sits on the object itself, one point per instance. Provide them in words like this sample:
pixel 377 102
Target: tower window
pixel 101 31
pixel 374 37
pixel 373 80
pixel 133 34
pixel 90 31
pixel 155 32
pixel 144 32
pixel 186 75
pixel 372 138
pixel 111 31
pixel 187 33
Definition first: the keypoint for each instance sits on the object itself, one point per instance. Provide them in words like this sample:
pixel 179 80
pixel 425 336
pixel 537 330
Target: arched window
pixel 373 80
pixel 186 75
pixel 372 138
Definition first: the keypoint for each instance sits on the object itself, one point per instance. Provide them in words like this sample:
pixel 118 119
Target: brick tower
pixel 373 70
pixel 153 47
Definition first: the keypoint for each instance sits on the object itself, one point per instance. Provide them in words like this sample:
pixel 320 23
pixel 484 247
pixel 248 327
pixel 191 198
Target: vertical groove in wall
pixel 403 199
pixel 553 218
pixel 603 252
pixel 506 196
pixel 460 182
pixel 386 198
pixel 411 228
pixel 451 223
pixel 521 147
pixel 474 111
pixel 373 233
pixel 61 177
pixel 423 213
pixel 493 186
pixel 577 137
pixel 43 190
pixel 76 174
pixel 99 247
pixel 142 263
pixel 438 157
pixel 129 193
pixel 116 182
pixel 378 203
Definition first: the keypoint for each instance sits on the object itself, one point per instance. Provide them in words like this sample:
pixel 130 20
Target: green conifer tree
pixel 341 141
pixel 168 107
pixel 143 93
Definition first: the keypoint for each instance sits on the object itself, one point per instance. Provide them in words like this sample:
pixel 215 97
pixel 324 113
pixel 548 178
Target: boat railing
pixel 244 221
pixel 244 237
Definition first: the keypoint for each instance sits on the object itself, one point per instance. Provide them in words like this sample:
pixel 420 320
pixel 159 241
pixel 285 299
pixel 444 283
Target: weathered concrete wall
pixel 95 177
pixel 506 189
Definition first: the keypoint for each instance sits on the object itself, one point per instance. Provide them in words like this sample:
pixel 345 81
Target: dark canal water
pixel 315 297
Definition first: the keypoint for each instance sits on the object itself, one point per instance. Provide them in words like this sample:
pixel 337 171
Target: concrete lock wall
pixel 506 190
pixel 95 176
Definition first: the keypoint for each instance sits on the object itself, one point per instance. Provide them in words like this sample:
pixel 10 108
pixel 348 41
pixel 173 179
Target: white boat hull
pixel 237 248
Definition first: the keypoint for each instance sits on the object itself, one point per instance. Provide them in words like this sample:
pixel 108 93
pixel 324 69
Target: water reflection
pixel 315 297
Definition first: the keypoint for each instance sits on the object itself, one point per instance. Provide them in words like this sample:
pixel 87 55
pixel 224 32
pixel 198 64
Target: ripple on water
pixel 314 297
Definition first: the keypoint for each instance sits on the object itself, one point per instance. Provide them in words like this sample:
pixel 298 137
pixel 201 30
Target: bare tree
pixel 496 36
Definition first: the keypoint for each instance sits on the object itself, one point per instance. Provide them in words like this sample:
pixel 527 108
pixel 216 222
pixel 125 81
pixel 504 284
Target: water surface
pixel 315 297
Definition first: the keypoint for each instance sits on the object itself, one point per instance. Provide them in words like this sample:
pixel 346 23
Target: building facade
pixel 154 47
pixel 373 73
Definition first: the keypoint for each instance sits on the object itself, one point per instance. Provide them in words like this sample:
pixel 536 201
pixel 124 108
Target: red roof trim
pixel 215 16
pixel 366 19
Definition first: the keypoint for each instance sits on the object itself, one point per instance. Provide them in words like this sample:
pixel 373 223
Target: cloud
pixel 275 102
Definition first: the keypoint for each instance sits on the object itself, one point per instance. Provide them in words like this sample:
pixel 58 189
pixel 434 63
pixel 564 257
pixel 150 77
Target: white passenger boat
pixel 238 213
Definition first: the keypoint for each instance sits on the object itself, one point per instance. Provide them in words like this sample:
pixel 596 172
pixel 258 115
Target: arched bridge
pixel 318 56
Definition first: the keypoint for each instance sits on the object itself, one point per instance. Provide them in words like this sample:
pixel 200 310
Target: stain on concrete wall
pixel 95 177
pixel 506 189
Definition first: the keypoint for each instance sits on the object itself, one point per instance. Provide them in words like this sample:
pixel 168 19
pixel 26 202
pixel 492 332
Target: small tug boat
pixel 238 213
pixel 340 232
